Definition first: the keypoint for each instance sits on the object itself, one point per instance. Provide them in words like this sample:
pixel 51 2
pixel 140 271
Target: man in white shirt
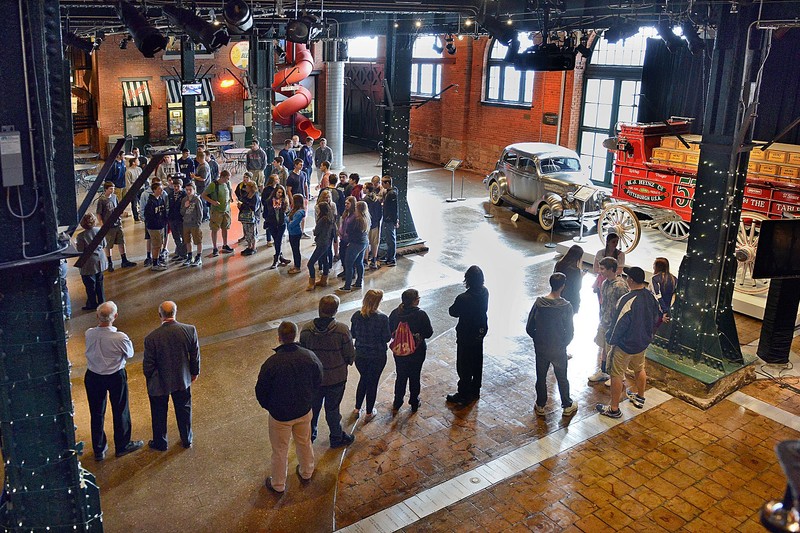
pixel 106 353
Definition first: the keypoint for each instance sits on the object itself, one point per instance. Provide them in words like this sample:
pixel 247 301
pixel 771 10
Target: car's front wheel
pixel 495 194
pixel 546 218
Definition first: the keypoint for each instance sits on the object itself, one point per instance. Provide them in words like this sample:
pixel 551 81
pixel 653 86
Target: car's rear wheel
pixel 546 218
pixel 495 194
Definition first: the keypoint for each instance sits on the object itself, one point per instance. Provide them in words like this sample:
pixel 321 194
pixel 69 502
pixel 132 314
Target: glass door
pixel 137 125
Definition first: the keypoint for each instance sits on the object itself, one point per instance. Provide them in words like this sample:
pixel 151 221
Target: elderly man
pixel 286 386
pixel 171 364
pixel 107 350
pixel 332 343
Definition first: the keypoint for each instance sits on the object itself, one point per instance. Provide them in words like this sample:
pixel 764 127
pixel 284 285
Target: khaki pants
pixel 156 242
pixel 279 435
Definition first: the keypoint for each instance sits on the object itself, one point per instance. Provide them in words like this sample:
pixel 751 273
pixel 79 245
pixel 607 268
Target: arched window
pixel 505 84
pixel 426 66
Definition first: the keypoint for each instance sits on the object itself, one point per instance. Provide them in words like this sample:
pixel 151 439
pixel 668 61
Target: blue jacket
pixel 635 320
pixel 294 223
pixel 117 174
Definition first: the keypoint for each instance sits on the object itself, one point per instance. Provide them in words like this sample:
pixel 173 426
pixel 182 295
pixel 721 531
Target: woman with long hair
pixel 663 286
pixel 357 232
pixel 275 221
pixel 409 367
pixel 266 194
pixel 295 229
pixel 570 266
pixel 92 269
pixel 324 230
pixel 348 214
pixel 370 329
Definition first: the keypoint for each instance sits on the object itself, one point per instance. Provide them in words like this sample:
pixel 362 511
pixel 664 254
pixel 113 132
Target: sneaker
pixel 241 240
pixel 159 267
pixel 571 410
pixel 132 446
pixel 340 275
pixel 214 253
pixel 187 262
pixel 100 456
pixel 148 262
pixel 284 261
pixel 605 410
pixel 128 264
pixel 346 440
pixel 598 376
pixel 455 398
pixel 356 285
pixel 636 400
pixel 305 236
pixel 344 289
pixel 538 410
pixel 226 249
pixel 248 251
pixel 197 262
pixel 373 266
pixel 391 263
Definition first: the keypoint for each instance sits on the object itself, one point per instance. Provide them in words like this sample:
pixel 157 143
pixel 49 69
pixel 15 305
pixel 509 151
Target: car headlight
pixel 570 197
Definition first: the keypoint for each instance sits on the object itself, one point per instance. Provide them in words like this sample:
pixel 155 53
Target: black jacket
pixel 550 326
pixel 572 290
pixel 273 219
pixel 418 323
pixel 390 205
pixel 333 345
pixel 635 320
pixel 470 308
pixel 287 381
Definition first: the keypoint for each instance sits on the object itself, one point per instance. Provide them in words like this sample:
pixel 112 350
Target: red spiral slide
pixel 303 63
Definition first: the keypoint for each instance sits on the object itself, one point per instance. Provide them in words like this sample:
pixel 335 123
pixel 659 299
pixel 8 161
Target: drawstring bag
pixel 403 343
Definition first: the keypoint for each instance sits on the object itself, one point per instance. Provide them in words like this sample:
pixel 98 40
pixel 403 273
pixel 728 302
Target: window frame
pixel 436 81
pixel 501 65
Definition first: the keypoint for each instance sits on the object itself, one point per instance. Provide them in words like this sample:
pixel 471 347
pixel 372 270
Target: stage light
pixel 437 46
pixel 583 49
pixel 621 30
pixel 460 37
pixel 498 30
pixel 696 43
pixel 238 16
pixel 303 30
pixel 468 22
pixel 199 30
pixel 72 40
pixel 146 36
pixel 672 41
pixel 226 83
pixel 450 46
pixel 418 24
pixel 509 21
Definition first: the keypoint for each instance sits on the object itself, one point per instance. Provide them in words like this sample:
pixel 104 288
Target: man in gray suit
pixel 171 364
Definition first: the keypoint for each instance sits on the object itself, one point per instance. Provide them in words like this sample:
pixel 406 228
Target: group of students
pixel 630 312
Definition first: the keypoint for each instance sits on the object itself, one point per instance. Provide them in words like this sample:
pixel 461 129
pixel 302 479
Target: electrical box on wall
pixel 11 174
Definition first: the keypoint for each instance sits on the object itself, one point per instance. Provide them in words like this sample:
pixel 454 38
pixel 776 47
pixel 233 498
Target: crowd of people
pixel 351 219
pixel 309 370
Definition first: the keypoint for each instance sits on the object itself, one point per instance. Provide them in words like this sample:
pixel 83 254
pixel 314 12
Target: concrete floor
pixel 236 304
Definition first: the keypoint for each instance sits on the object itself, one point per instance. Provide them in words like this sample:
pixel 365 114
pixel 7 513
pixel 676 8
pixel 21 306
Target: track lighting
pixel 696 43
pixel 621 30
pixel 72 40
pixel 303 30
pixel 450 46
pixel 238 16
pixel 200 31
pixel 672 41
pixel 146 36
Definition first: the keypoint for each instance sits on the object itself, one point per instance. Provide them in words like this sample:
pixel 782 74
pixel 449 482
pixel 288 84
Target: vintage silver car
pixel 544 179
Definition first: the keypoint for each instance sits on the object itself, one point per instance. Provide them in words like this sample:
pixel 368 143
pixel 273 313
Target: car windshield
pixel 551 165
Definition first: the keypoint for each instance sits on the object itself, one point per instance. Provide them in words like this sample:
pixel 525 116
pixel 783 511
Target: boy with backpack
pixel 155 218
pixel 218 194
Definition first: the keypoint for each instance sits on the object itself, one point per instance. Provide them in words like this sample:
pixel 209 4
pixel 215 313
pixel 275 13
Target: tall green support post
pixel 188 102
pixel 397 75
pixel 703 325
pixel 45 487
pixel 262 67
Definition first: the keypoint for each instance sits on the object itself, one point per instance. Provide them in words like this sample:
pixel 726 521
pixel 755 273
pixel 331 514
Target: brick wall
pixel 459 126
pixel 112 64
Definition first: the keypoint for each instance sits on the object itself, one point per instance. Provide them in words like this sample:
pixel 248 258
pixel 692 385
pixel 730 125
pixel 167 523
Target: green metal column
pixel 45 487
pixel 188 102
pixel 397 75
pixel 703 326
pixel 262 59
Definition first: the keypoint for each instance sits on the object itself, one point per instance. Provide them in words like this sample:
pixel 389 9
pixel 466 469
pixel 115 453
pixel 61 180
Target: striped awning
pixel 136 93
pixel 174 91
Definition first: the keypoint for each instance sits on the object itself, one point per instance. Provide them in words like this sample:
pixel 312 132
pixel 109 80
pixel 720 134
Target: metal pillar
pixel 334 106
pixel 394 162
pixel 262 67
pixel 703 326
pixel 188 102
pixel 45 487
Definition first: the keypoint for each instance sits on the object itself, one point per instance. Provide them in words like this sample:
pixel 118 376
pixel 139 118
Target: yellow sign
pixel 240 55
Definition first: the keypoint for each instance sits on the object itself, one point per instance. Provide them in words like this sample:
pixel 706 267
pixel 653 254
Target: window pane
pixel 590 115
pixel 363 47
pixel 438 87
pixel 603 116
pixel 606 91
pixel 414 78
pixel 426 79
pixel 528 92
pixel 592 91
pixel 423 47
pixel 511 84
pixel 494 84
pixel 629 52
pixel 593 154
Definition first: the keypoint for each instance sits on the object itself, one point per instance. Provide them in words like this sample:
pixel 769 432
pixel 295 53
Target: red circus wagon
pixel 655 172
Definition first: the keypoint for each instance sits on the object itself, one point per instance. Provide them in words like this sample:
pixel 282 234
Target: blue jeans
pixel 320 255
pixel 389 232
pixel 294 242
pixel 332 396
pixel 354 258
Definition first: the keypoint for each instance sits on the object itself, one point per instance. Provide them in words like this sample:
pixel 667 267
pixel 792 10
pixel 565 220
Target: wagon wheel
pixel 677 230
pixel 622 220
pixel 746 245
pixel 546 218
